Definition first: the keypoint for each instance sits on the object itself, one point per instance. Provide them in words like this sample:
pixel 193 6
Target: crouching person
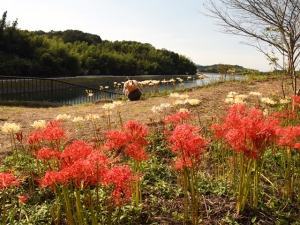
pixel 132 90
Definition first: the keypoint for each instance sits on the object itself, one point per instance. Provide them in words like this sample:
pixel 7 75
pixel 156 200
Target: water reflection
pixel 157 83
pixel 77 90
pixel 172 83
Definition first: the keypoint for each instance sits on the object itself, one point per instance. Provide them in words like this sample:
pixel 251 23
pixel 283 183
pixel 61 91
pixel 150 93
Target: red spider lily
pixel 79 163
pixel 94 170
pixel 297 146
pixel 184 162
pixel 117 140
pixel 54 123
pixel 187 144
pixel 53 177
pixel 135 128
pixel 52 132
pixel 120 178
pixel 46 154
pixel 289 136
pixel 179 117
pixel 75 151
pixel 247 130
pixel 22 199
pixel 286 115
pixel 8 180
pixel 100 164
pixel 90 171
pixel 296 100
pixel 80 172
pixel 133 151
pixel 131 141
pixel 35 137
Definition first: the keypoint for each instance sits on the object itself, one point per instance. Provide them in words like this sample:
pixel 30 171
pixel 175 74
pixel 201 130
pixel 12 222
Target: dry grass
pixel 212 105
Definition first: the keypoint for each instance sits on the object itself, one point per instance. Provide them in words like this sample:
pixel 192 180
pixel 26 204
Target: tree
pixel 266 23
pixel 223 69
pixel 73 52
pixel 3 23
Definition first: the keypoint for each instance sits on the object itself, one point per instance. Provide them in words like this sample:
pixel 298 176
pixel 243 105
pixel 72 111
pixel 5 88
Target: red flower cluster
pixel 120 178
pixel 83 166
pixel 35 137
pixel 8 180
pixel 289 136
pixel 83 172
pixel 131 141
pixel 286 115
pixel 75 151
pixel 296 100
pixel 179 117
pixel 188 145
pixel 247 130
pixel 22 198
pixel 46 154
pixel 51 133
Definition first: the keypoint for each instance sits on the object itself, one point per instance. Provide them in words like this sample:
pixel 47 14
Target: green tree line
pixel 223 69
pixel 75 53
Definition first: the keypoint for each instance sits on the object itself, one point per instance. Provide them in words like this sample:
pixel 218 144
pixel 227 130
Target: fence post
pixel 51 90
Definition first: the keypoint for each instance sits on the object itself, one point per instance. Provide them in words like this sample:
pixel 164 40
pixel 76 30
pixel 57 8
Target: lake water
pixel 65 92
pixel 109 83
pixel 115 83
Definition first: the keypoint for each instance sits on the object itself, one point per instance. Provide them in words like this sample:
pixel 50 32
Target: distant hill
pixel 75 53
pixel 71 36
pixel 214 68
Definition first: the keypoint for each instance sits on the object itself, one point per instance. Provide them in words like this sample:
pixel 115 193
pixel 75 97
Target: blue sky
pixel 176 25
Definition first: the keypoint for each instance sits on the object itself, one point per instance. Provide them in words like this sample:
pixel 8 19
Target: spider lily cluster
pixel 93 179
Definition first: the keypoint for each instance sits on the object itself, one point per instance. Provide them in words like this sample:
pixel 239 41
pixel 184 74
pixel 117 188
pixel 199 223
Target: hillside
pixel 214 68
pixel 73 52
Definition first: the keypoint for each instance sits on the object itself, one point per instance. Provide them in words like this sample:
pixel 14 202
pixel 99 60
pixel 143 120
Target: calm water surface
pixel 67 94
pixel 109 82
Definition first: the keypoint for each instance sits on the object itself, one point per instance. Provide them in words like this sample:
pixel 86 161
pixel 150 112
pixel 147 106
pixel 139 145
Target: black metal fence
pixel 49 90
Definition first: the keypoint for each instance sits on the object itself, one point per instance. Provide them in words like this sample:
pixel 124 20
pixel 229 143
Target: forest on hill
pixel 220 68
pixel 74 53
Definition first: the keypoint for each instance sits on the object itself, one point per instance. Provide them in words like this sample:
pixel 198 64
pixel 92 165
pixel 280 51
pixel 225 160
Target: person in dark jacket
pixel 132 89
